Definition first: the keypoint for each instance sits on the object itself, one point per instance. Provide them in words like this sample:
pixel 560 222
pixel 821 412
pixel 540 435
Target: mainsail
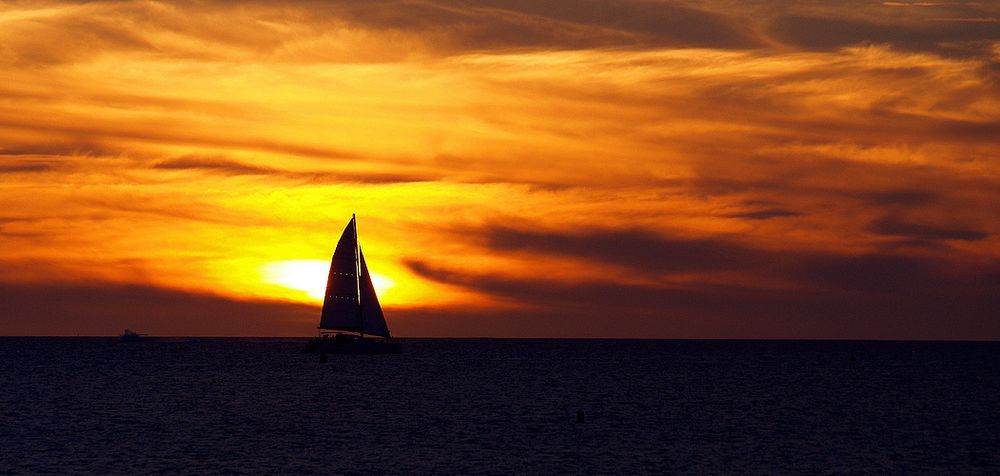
pixel 350 303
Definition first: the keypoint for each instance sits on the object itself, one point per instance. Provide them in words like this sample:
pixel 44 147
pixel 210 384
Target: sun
pixel 310 276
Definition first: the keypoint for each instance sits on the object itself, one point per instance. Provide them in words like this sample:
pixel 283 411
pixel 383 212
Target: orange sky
pixel 563 168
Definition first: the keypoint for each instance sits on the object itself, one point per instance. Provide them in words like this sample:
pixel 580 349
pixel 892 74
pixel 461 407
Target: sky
pixel 643 169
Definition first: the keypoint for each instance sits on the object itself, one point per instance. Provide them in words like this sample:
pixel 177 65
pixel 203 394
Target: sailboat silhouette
pixel 350 306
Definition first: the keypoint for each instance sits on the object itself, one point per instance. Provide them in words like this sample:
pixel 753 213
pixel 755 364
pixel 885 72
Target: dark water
pixel 499 406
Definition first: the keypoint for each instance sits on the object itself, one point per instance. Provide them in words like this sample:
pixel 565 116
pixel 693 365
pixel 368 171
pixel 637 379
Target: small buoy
pixel 579 416
pixel 322 358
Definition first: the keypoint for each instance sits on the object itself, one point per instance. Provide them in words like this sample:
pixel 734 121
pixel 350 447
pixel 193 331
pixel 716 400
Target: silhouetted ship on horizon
pixel 129 335
pixel 351 312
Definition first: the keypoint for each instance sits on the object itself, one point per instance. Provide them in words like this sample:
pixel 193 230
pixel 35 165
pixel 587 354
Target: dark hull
pixel 334 346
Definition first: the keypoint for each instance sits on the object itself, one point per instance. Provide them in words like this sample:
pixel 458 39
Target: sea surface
pixel 499 406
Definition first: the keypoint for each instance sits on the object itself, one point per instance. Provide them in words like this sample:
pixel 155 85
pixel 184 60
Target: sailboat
pixel 129 335
pixel 352 321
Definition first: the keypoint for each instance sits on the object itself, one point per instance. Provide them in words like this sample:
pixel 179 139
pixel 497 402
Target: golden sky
pixel 518 168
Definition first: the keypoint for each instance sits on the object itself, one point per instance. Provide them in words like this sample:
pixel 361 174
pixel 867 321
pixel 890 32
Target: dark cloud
pixel 637 249
pixel 569 295
pixel 892 226
pixel 828 33
pixel 229 167
pixel 817 181
pixel 106 309
pixel 158 132
pixel 765 214
pixel 81 148
pixel 26 167
pixel 795 175
pixel 877 124
pixel 21 235
pixel 900 197
pixel 650 254
pixel 662 23
pixel 504 24
pixel 461 27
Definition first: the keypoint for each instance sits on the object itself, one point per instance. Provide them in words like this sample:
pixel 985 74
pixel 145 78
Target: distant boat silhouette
pixel 350 306
pixel 130 336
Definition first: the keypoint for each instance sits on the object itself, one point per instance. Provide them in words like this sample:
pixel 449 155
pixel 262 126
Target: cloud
pixel 75 148
pixel 293 31
pixel 221 165
pixel 26 167
pixel 73 35
pixel 665 24
pixel 229 167
pixel 640 250
pixel 158 132
pixel 901 197
pixel 311 31
pixel 894 227
pixel 765 214
pixel 826 33
pixel 693 262
pixel 459 26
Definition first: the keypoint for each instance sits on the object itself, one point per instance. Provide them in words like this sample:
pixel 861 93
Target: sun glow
pixel 310 276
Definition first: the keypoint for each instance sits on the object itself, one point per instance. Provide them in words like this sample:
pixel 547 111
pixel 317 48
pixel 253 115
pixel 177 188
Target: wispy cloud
pixel 890 226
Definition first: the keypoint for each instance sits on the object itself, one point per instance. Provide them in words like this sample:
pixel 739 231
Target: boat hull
pixel 133 337
pixel 136 339
pixel 367 346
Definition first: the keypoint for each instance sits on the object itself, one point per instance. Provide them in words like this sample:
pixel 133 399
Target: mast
pixel 357 272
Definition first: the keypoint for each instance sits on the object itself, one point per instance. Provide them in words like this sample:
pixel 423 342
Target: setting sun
pixel 310 276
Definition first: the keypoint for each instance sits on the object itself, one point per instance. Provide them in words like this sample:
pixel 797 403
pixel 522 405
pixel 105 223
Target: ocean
pixel 499 406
